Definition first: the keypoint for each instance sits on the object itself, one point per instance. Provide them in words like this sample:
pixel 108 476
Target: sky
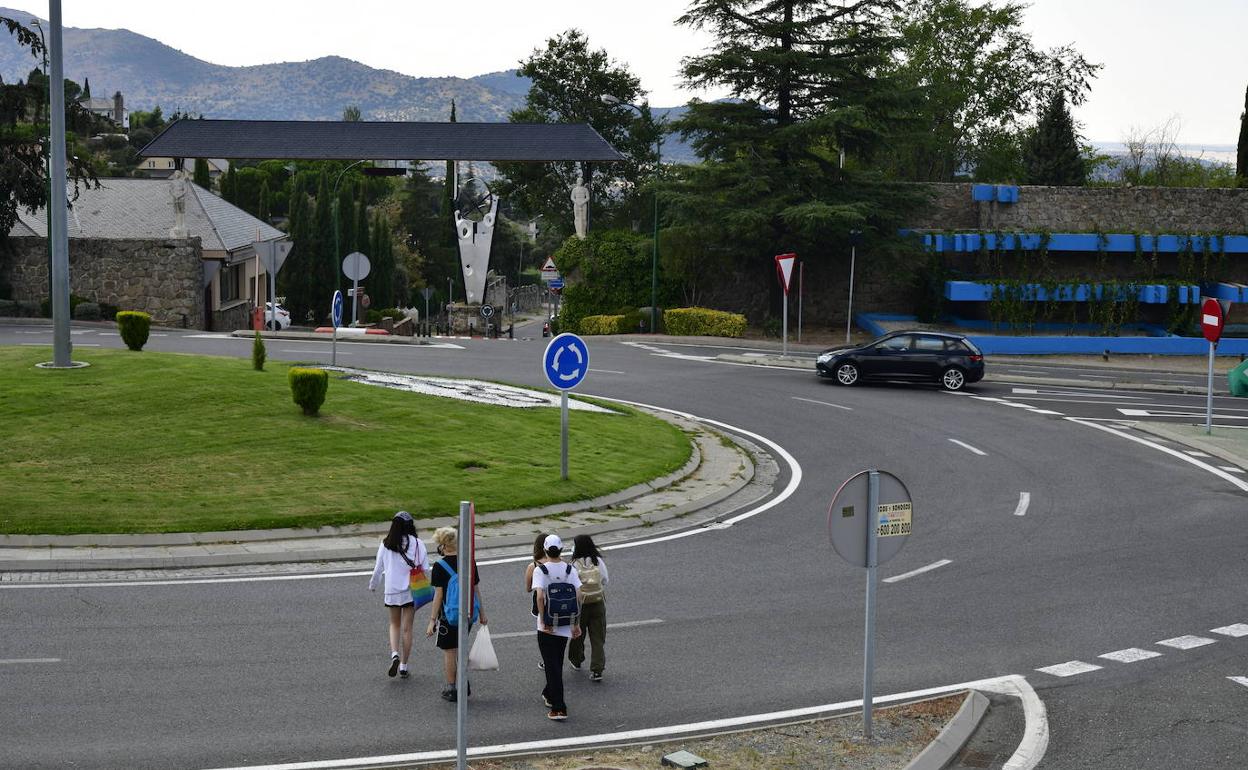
pixel 1163 59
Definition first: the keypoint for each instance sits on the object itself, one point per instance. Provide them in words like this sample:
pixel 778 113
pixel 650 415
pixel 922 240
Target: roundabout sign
pixel 565 364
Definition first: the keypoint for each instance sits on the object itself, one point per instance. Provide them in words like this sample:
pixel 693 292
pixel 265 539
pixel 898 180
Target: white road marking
pixel 317 352
pixel 1024 500
pixel 1047 411
pixel 1025 757
pixel 1235 630
pixel 1231 469
pixel 823 403
pixel 1216 415
pixel 1075 394
pixel 1026 391
pixel 1194 453
pixel 76 344
pixel 965 445
pixel 1172 452
pixel 1239 680
pixel 606 371
pixel 1187 642
pixel 1130 655
pixel 16 661
pixel 1069 668
pixel 919 571
pixel 625 624
pixel 212 337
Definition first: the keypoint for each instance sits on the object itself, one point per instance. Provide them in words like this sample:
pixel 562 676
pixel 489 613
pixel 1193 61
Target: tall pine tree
pixel 326 271
pixel 202 177
pixel 1051 153
pixel 1241 155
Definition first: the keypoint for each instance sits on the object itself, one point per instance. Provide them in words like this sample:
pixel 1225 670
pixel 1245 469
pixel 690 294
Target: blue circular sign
pixel 566 361
pixel 336 310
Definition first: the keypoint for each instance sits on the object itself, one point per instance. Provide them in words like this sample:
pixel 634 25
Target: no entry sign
pixel 1212 319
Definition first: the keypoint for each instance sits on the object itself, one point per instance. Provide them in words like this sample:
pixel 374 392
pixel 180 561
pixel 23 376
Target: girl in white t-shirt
pixel 398 554
pixel 552 639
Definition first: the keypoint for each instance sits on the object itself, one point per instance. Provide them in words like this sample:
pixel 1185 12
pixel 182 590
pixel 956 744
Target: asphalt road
pixel 1119 546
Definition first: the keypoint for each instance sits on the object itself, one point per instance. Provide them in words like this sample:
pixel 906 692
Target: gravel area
pixel 901 732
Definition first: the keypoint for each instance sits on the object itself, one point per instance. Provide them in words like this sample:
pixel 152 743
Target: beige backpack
pixel 591 581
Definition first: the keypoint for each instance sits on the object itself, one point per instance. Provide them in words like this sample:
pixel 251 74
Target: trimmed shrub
pixel 308 387
pixel 600 324
pixel 134 327
pixel 87 311
pixel 700 321
pixel 374 316
pixel 8 308
pixel 258 353
pixel 45 306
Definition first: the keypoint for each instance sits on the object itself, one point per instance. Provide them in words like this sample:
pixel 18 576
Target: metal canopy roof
pixel 354 140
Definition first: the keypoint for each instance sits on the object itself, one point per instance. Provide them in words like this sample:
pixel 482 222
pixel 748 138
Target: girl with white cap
pixel 557 587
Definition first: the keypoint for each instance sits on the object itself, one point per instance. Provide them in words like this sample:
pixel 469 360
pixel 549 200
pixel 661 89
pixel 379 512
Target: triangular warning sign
pixel 784 268
pixel 549 264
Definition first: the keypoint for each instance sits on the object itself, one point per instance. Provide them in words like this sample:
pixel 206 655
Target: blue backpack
pixel 561 605
pixel 450 604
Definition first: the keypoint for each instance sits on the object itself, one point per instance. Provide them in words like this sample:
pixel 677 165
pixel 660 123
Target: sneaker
pixel 577 666
pixel 541 664
pixel 404 674
pixel 448 694
pixel 557 716
pixel 595 676
pixel 546 701
pixel 394 666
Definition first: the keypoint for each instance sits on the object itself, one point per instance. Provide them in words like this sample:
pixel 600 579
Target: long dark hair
pixel 401 528
pixel 583 548
pixel 539 552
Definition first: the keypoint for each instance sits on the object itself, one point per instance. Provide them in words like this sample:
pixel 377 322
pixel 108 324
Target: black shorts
pixel 448 635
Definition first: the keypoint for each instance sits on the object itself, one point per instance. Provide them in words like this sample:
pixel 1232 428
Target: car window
pixel 929 344
pixel 899 343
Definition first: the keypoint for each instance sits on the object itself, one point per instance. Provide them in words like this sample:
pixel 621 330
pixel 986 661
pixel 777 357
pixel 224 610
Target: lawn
pixel 161 442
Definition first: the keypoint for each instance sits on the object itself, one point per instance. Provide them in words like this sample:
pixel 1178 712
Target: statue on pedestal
pixel 580 207
pixel 178 188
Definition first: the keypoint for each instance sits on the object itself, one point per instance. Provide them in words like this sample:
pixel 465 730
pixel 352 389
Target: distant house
pixel 163 168
pixel 124 209
pixel 113 109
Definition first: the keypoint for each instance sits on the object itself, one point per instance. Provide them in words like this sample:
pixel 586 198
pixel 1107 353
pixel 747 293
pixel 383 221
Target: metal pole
pixel 355 300
pixel 466 594
pixel 563 431
pixel 654 257
pixel 333 347
pixel 273 296
pixel 57 206
pixel 785 323
pixel 801 271
pixel 849 317
pixel 868 666
pixel 1209 398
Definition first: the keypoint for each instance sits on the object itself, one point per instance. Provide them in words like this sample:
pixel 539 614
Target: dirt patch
pixel 900 732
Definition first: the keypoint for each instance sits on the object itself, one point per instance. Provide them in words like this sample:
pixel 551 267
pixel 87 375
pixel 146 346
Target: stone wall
pixel 163 277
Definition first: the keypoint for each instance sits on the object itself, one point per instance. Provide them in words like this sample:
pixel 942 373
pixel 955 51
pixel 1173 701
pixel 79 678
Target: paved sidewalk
pixel 1229 444
pixel 721 475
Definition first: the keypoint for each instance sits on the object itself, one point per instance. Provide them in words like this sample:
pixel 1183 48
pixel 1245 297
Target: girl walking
pixel 539 555
pixel 399 553
pixel 555 582
pixel 445 570
pixel 592 569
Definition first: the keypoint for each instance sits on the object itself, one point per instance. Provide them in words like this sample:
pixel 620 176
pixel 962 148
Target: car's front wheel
pixel 847 373
pixel 953 378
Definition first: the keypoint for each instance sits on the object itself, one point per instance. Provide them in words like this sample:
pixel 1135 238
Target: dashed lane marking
pixel 606 371
pixel 823 403
pixel 1187 642
pixel 1239 680
pixel 18 661
pixel 76 344
pixel 625 624
pixel 1234 630
pixel 1231 469
pixel 1024 500
pixel 1194 453
pixel 919 571
pixel 965 445
pixel 1130 655
pixel 1069 668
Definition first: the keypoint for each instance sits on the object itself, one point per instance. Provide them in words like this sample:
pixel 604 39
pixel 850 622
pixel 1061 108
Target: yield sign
pixel 784 268
pixel 1212 319
pixel 272 254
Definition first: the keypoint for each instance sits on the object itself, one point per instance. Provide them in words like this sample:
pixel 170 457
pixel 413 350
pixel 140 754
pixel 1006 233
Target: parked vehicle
pixel 276 322
pixel 950 359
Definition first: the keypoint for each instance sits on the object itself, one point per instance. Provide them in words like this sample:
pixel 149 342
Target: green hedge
pixel 308 387
pixel 134 327
pixel 375 316
pixel 700 321
pixel 601 324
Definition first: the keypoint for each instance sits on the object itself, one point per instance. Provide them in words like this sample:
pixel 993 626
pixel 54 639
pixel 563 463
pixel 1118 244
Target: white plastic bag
pixel 481 655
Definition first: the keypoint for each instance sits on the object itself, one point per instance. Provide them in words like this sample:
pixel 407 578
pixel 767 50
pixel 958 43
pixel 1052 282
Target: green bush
pixel 600 324
pixel 700 321
pixel 375 316
pixel 8 308
pixel 308 387
pixel 134 327
pixel 45 306
pixel 87 311
pixel 258 353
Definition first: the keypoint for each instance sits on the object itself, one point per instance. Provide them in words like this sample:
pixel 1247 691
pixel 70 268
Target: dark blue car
pixel 950 359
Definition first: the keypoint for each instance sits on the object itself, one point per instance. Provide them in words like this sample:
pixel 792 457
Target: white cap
pixel 552 541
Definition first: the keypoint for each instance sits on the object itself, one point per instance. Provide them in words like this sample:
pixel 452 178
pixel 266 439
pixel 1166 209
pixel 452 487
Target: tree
pixel 86 88
pixel 1241 154
pixel 351 113
pixel 381 276
pixel 1051 153
pixel 977 77
pixel 569 81
pixel 202 177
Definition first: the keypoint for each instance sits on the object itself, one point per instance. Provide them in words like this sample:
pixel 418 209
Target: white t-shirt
pixel 397 572
pixel 560 572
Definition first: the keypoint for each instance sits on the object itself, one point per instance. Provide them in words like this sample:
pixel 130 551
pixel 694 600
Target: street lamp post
pixel 654 257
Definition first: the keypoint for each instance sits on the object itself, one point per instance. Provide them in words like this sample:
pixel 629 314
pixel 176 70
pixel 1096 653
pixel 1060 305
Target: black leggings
pixel 552 648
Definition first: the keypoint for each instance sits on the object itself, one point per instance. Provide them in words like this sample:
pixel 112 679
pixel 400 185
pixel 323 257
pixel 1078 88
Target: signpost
pixel 869 522
pixel 1212 320
pixel 565 364
pixel 335 317
pixel 549 271
pixel 426 292
pixel 355 266
pixel 784 269
pixel 855 238
pixel 272 255
pixel 467 593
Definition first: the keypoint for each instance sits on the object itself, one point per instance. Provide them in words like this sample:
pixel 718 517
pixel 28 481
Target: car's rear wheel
pixel 847 373
pixel 953 378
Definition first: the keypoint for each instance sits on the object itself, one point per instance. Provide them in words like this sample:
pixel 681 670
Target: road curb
pixel 1163 430
pixel 950 740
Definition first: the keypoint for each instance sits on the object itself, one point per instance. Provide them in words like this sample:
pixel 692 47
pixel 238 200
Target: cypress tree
pixel 202 177
pixel 1241 156
pixel 229 186
pixel 360 230
pixel 326 273
pixel 382 276
pixel 86 88
pixel 1051 154
pixel 294 281
pixel 266 203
